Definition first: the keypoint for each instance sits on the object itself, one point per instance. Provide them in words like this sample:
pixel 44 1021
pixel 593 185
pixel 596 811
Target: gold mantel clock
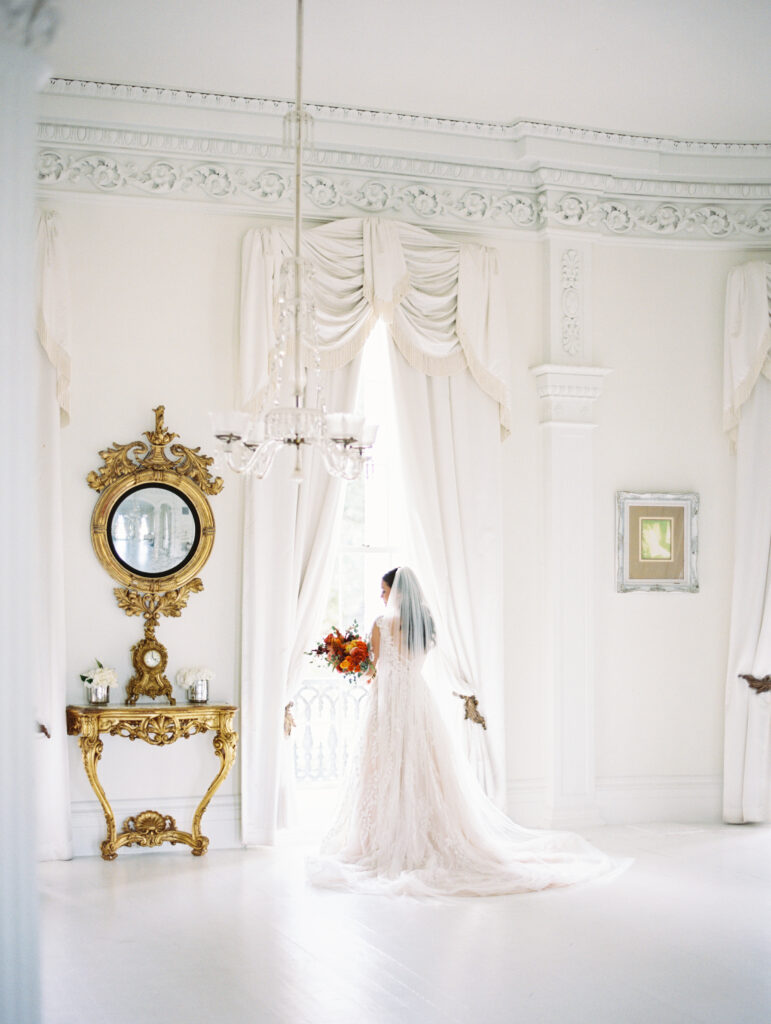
pixel 152 529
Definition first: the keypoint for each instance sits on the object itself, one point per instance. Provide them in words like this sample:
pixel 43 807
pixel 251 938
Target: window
pixel 327 709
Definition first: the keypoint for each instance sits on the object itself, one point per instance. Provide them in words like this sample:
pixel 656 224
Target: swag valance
pixel 443 301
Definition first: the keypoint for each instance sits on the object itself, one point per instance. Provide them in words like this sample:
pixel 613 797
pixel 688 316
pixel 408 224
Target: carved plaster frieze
pixel 332 193
pixel 272 189
pixel 255 174
pixel 113 139
pixel 672 219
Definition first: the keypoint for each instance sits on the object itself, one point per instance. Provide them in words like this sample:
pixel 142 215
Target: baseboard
pixel 688 798
pixel 620 800
pixel 625 800
pixel 527 802
pixel 221 823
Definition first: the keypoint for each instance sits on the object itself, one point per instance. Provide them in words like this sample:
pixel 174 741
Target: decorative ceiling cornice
pixel 524 177
pixel 420 122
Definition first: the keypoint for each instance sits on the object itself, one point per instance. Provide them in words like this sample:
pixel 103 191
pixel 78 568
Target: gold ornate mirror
pixel 152 529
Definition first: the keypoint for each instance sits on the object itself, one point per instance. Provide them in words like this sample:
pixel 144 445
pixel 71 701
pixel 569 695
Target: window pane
pixel 328 707
pixel 352 531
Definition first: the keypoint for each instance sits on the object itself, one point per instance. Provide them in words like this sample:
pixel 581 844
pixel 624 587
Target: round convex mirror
pixel 153 530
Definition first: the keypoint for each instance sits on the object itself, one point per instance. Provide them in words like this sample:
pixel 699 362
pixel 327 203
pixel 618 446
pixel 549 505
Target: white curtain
pixel 449 454
pixel 747 418
pixel 289 533
pixel 53 380
pixel 443 303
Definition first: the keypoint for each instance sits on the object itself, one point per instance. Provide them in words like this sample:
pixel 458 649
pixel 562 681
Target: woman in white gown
pixel 412 819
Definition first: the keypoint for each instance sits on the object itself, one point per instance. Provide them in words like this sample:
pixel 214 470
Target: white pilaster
pixel 567 396
pixel 20 76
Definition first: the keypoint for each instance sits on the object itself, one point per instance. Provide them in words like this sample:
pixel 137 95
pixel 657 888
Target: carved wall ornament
pixel 571 301
pixel 152 529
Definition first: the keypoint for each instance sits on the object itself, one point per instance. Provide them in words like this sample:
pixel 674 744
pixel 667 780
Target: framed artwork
pixel 657 541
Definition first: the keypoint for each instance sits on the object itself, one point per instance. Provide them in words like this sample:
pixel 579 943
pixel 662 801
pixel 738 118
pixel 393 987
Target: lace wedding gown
pixel 412 820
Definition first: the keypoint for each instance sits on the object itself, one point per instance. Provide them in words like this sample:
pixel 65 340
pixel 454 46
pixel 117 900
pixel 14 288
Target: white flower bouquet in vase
pixel 98 682
pixel 195 682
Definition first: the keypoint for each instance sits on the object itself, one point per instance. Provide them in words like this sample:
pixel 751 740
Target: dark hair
pixel 390 576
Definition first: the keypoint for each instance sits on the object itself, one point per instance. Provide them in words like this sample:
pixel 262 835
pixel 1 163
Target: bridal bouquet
pixel 346 652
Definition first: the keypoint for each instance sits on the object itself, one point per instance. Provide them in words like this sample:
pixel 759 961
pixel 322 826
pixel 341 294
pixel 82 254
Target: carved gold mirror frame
pixel 148 491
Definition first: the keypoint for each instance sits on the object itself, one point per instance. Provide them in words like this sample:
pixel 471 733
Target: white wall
pixel 154 302
pixel 155 296
pixel 659 657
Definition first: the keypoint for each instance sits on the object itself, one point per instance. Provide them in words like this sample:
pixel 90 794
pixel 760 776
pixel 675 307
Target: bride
pixel 412 818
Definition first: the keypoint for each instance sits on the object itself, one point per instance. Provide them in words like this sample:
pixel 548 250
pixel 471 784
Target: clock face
pixel 152 658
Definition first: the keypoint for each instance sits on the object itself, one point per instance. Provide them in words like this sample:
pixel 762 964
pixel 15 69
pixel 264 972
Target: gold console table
pixel 158 727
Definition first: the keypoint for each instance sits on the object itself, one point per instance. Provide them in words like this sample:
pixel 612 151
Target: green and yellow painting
pixel 656 540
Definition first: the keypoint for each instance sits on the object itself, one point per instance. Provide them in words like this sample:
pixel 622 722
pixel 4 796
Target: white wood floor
pixel 238 936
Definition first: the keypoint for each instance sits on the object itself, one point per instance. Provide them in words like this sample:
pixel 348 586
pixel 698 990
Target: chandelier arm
pixel 259 460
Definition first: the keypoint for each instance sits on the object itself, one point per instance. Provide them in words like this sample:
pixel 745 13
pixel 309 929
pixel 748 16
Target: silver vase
pixel 198 692
pixel 98 693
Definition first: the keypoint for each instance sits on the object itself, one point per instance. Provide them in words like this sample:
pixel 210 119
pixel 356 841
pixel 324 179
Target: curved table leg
pixel 225 742
pixel 91 748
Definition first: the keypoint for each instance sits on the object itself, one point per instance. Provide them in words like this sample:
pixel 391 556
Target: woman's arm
pixel 374 646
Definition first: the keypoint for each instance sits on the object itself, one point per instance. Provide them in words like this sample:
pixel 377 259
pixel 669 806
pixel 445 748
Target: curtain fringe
pixel 338 357
pixel 762 365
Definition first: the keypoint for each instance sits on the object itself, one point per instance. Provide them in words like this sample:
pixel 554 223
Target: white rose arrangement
pixel 99 676
pixel 187 676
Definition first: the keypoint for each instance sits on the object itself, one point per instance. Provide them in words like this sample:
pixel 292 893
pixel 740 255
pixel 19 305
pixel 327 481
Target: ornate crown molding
pixel 514 130
pixel 374 168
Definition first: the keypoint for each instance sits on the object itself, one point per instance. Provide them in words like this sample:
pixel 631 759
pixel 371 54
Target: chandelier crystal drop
pixel 292 409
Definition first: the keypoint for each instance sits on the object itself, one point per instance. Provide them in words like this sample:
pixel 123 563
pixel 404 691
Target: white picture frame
pixel 657 541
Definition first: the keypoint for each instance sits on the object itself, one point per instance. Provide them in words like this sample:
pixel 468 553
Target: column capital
pixel 567 393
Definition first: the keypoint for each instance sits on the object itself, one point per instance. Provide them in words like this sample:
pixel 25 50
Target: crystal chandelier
pixel 249 443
